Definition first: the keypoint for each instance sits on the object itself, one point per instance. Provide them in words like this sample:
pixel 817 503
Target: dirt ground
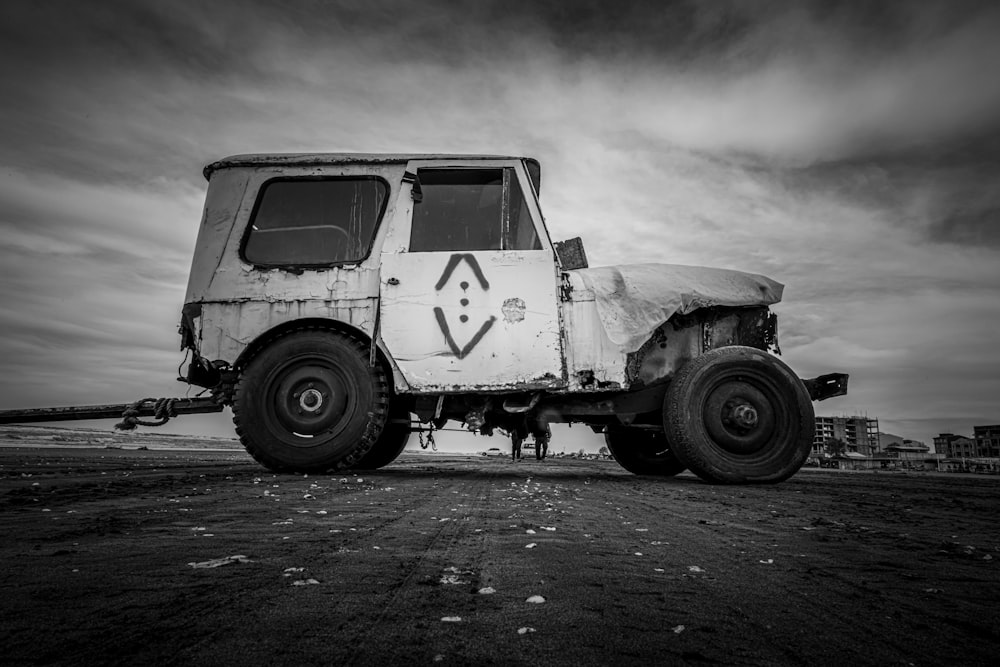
pixel 106 559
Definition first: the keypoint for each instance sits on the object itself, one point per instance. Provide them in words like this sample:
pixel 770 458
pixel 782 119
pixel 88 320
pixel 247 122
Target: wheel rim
pixel 741 414
pixel 307 401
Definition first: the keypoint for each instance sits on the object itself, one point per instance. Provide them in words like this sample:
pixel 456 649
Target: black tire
pixel 310 402
pixel 642 451
pixel 390 443
pixel 738 415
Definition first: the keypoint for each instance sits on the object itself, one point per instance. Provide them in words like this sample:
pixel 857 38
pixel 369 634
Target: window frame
pixel 291 266
pixel 509 175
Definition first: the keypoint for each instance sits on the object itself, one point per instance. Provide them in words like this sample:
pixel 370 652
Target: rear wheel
pixel 739 415
pixel 310 402
pixel 642 451
pixel 390 444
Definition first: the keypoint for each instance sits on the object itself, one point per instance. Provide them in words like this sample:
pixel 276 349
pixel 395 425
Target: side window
pixel 521 233
pixel 471 209
pixel 315 222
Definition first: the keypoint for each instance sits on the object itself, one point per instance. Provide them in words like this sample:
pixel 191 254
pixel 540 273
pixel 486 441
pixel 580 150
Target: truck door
pixel 468 281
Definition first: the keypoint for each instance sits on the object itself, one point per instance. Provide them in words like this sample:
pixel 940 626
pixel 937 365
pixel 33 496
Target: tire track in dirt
pixel 825 568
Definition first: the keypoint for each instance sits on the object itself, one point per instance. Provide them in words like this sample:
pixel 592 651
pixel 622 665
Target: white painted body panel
pixel 241 302
pixel 510 338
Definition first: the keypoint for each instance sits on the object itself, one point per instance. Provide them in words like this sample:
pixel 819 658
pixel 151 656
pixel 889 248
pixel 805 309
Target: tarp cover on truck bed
pixel 632 301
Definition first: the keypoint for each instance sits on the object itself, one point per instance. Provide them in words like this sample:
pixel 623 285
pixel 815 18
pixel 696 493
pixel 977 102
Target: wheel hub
pixel 311 400
pixel 739 417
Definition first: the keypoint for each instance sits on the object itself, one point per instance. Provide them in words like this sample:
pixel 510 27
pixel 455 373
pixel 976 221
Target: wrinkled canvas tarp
pixel 632 301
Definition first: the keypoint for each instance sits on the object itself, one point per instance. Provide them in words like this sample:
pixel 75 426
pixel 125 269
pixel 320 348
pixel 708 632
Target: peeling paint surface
pixel 451 322
pixel 513 310
pixel 227 328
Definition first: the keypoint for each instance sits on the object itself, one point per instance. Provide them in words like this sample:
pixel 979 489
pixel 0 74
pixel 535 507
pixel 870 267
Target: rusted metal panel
pixel 593 362
pixel 667 350
pixel 483 320
pixel 571 254
pixel 227 328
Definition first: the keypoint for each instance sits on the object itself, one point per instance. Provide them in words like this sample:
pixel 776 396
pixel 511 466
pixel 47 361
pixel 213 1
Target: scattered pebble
pixel 524 630
pixel 304 582
pixel 489 590
pixel 530 546
pixel 535 599
pixel 219 562
pixel 451 619
pixel 677 629
pixel 694 568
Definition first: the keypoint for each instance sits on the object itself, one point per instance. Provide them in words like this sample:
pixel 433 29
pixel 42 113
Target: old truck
pixel 338 301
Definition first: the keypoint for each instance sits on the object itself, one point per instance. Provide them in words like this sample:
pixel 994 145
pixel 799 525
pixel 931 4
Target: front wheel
pixel 642 451
pixel 310 402
pixel 738 415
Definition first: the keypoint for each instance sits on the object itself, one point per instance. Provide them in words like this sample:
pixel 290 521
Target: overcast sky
pixel 848 150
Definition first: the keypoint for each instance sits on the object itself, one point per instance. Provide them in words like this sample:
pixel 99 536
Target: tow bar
pixel 160 409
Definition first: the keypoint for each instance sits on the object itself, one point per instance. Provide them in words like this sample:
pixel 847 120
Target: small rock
pixel 535 599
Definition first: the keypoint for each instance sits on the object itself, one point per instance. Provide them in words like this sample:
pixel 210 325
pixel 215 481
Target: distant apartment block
pixel 955 446
pixel 860 434
pixel 987 441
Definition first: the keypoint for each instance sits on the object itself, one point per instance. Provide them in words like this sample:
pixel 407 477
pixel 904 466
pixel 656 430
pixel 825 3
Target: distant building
pixel 987 440
pixel 898 447
pixel 886 440
pixel 908 449
pixel 955 446
pixel 860 434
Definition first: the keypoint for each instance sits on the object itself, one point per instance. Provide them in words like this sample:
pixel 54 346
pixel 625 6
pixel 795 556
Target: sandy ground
pixel 106 559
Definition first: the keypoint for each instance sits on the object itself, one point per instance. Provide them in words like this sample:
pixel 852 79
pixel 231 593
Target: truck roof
pixel 321 159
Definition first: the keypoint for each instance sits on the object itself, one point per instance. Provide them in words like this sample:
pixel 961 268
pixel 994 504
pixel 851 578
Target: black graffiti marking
pixel 461 353
pixel 453 262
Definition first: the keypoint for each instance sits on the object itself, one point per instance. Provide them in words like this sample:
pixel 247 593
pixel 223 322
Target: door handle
pixel 393 281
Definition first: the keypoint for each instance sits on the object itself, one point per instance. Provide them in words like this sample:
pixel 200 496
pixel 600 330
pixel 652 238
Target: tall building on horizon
pixel 860 434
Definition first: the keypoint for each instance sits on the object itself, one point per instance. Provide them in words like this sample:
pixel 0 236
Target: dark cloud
pixel 977 228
